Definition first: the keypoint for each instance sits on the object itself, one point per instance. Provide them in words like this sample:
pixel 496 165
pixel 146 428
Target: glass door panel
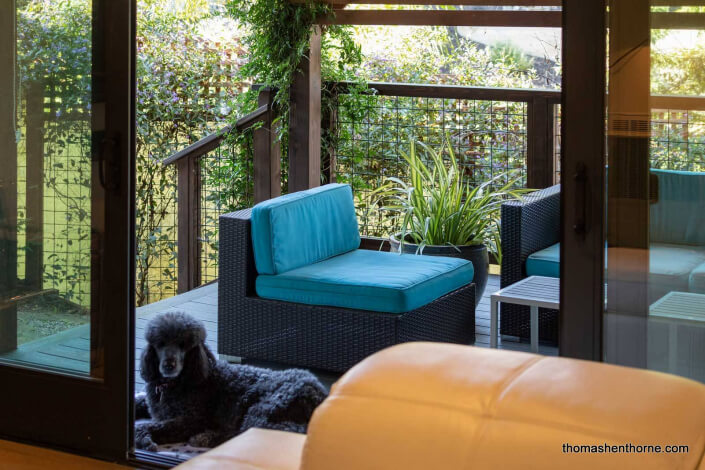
pixel 49 230
pixel 654 315
pixel 66 150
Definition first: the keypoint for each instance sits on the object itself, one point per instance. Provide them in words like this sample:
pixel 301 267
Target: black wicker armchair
pixel 527 227
pixel 315 336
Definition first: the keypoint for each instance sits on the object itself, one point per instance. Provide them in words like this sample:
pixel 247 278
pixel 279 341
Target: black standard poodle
pixel 192 397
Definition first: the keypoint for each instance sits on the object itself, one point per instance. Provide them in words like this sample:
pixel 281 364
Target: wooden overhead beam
pixel 668 20
pixel 489 18
pixel 689 103
pixel 677 3
pixel 492 18
pixel 521 3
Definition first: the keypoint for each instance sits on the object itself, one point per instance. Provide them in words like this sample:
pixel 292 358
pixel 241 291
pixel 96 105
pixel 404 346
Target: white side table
pixel 535 292
pixel 680 309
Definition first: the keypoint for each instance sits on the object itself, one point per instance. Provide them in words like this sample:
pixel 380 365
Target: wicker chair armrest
pixel 528 226
pixel 236 261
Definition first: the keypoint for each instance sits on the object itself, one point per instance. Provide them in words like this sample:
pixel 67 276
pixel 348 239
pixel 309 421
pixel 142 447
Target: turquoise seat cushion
pixel 671 268
pixel 546 262
pixel 303 228
pixel 671 265
pixel 369 280
pixel 678 216
pixel 697 280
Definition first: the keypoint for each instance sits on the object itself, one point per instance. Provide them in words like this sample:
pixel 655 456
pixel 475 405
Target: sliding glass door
pixel 644 270
pixel 66 127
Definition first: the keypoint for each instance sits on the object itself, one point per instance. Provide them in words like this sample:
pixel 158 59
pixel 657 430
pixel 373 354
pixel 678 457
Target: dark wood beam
pixel 675 20
pixel 677 3
pixel 525 3
pixel 456 92
pixel 690 103
pixel 539 140
pixel 188 217
pixel 489 18
pixel 8 180
pixel 305 120
pixel 582 168
pixel 34 212
pixel 267 152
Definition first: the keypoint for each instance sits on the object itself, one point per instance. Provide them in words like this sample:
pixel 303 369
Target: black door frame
pixel 89 416
pixel 583 179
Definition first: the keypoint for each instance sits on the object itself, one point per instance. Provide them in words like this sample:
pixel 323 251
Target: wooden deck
pixel 70 349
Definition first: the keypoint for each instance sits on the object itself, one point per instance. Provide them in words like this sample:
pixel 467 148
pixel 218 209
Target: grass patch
pixel 46 315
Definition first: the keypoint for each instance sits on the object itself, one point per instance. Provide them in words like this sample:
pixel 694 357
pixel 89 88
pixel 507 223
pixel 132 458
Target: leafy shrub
pixel 187 79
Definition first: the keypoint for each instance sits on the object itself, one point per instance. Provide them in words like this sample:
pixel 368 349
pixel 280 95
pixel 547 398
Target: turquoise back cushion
pixel 546 262
pixel 679 215
pixel 303 228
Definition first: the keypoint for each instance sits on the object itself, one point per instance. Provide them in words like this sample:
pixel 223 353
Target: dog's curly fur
pixel 210 401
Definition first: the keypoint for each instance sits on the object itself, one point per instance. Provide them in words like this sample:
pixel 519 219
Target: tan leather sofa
pixel 421 406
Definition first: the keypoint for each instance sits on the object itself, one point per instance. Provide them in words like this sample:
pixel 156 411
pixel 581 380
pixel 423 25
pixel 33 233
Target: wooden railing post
pixel 34 257
pixel 305 120
pixel 189 216
pixel 539 142
pixel 267 153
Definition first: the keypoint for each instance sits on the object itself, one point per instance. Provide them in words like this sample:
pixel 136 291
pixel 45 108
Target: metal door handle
pixel 581 200
pixel 109 164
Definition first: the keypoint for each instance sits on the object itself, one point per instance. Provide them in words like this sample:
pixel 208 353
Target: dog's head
pixel 176 346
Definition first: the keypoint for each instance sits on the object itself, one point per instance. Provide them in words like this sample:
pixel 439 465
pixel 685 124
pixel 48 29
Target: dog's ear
pixel 149 364
pixel 198 363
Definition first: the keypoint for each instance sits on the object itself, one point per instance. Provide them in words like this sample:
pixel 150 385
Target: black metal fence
pixel 678 138
pixel 488 130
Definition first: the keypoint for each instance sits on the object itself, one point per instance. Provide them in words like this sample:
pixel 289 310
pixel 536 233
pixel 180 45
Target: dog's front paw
pixel 143 439
pixel 204 439
pixel 141 407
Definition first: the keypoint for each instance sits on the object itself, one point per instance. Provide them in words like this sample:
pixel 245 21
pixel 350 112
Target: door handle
pixel 581 224
pixel 109 164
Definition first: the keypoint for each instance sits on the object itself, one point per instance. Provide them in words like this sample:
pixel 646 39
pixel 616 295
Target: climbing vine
pixel 277 39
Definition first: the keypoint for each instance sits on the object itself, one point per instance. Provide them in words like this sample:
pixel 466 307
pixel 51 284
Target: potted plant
pixel 441 214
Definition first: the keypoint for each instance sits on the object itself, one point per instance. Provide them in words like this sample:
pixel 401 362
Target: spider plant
pixel 437 206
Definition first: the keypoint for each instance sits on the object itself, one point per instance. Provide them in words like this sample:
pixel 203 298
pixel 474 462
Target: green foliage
pixel 433 54
pixel 54 70
pixel 188 55
pixel 437 206
pixel 277 39
pixel 507 53
pixel 188 62
pixel 195 61
pixel 372 130
pixel 678 135
pixel 54 48
pixel 680 71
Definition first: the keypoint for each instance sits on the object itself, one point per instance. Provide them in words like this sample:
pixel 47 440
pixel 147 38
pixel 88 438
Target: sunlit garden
pixel 199 66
